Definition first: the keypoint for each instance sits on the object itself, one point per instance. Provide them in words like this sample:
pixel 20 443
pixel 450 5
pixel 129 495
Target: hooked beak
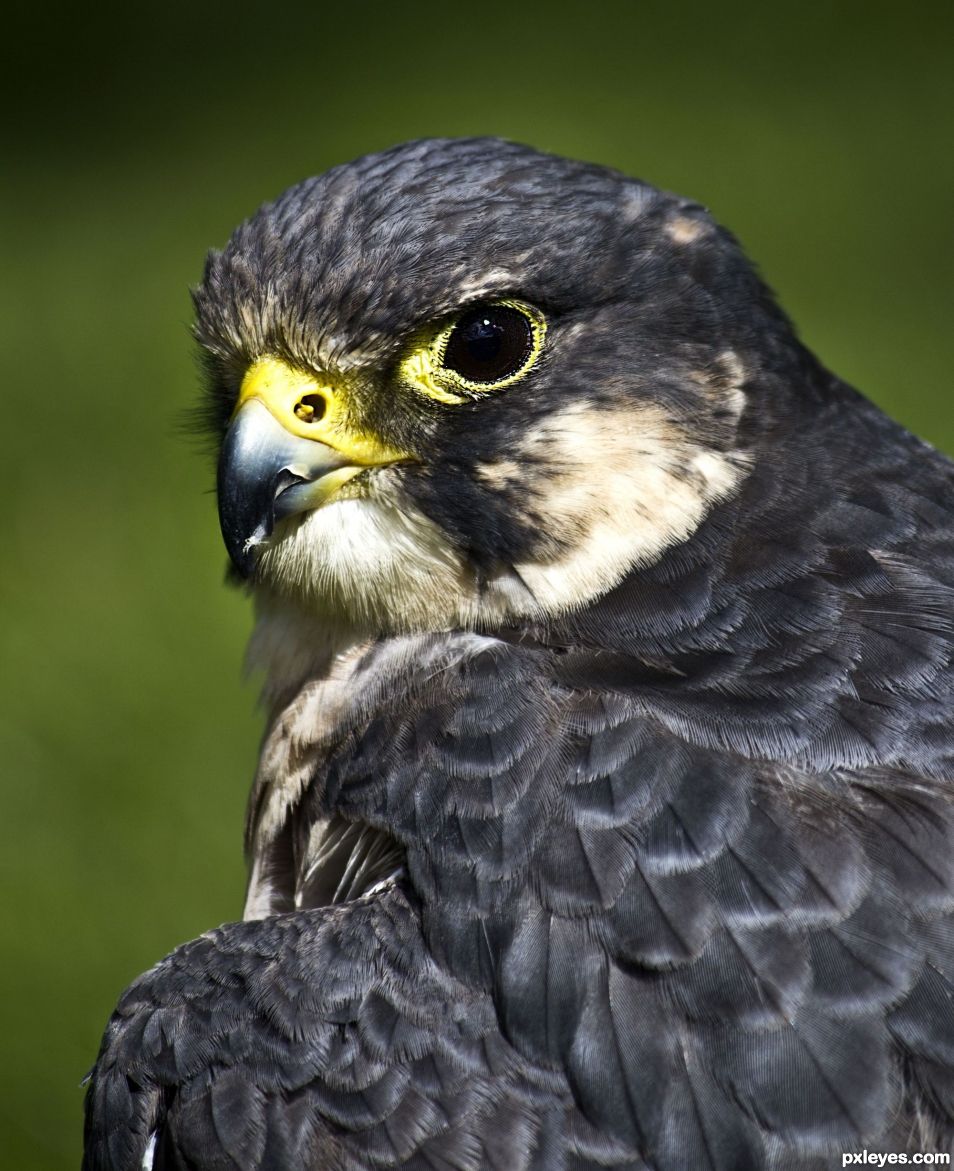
pixel 287 450
pixel 266 474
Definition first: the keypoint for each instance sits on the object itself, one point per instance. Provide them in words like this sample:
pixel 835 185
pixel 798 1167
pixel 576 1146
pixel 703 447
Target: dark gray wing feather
pixel 320 1039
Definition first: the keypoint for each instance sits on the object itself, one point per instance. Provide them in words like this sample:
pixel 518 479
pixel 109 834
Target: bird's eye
pixel 486 348
pixel 489 343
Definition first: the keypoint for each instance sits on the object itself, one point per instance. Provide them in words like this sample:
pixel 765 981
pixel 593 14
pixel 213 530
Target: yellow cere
pixel 313 409
pixel 423 368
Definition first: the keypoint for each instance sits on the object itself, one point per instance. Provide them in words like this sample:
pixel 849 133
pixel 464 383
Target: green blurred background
pixel 137 138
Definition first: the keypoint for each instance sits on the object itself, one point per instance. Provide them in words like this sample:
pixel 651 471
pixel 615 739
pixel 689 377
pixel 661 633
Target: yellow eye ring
pixel 486 347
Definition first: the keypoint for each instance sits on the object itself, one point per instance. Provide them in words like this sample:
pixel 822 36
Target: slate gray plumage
pixel 676 880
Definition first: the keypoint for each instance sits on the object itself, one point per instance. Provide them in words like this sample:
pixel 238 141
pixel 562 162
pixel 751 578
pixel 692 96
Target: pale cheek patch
pixel 614 490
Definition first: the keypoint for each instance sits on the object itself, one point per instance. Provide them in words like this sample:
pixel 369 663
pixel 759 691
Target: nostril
pixel 310 408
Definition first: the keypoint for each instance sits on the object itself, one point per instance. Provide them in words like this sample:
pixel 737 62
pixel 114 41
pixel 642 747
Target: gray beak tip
pixel 259 462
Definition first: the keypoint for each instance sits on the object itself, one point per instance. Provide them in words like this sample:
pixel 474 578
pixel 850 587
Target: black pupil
pixel 489 344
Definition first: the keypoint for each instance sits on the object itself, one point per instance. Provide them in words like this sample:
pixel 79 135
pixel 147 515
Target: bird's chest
pixel 445 744
pixel 465 765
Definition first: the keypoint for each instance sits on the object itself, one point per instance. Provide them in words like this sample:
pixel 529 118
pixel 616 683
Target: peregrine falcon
pixel 604 816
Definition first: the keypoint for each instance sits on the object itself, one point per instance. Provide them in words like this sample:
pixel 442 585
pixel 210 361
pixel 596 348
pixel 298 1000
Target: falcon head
pixel 463 383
